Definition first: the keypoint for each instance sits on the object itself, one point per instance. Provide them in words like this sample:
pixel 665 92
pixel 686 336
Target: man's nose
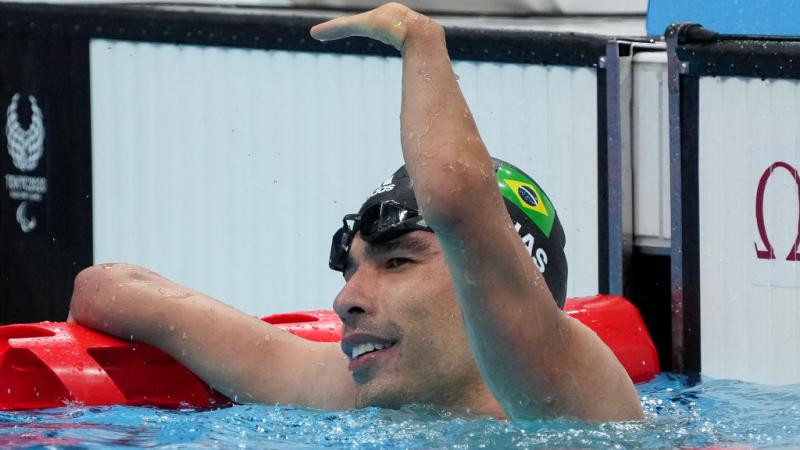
pixel 356 299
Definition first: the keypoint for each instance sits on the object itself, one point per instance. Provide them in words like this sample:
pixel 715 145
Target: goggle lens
pixel 381 222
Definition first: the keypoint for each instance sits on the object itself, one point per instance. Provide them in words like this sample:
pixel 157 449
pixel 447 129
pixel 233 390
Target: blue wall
pixel 764 17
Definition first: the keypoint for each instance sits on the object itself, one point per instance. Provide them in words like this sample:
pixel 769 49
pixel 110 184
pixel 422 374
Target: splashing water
pixel 710 413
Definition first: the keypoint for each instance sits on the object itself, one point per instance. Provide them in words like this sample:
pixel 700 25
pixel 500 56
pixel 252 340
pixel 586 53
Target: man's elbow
pixel 94 283
pixel 84 293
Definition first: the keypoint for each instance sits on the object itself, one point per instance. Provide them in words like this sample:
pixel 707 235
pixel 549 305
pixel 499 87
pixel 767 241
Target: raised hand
pixel 388 23
pixel 490 268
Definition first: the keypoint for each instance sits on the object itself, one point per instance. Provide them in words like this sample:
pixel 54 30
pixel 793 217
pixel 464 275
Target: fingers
pixel 387 23
pixel 341 27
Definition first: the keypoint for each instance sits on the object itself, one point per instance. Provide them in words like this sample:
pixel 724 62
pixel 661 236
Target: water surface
pixel 680 414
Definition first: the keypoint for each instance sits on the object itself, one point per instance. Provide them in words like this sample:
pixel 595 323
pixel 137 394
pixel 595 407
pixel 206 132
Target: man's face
pixel 403 325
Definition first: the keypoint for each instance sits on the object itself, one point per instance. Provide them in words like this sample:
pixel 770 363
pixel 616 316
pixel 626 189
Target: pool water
pixel 681 412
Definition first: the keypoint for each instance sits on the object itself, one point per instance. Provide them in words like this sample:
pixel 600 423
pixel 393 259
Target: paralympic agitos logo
pixel 26 148
pixel 767 251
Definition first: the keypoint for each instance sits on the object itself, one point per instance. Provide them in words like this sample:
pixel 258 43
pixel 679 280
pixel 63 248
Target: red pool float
pixel 51 364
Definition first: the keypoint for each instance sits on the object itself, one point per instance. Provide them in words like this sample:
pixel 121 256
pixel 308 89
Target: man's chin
pixel 383 393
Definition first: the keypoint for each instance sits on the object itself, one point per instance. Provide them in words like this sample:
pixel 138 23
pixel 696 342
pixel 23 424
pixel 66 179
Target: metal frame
pixel 695 52
pixel 685 251
pixel 278 30
pixel 617 184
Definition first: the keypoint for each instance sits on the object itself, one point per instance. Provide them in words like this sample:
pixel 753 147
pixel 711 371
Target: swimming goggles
pixel 378 223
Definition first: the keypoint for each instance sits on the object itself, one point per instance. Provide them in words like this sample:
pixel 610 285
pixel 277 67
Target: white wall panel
pixel 228 170
pixel 650 116
pixel 749 306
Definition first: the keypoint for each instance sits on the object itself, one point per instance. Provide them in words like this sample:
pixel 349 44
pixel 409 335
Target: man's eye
pixel 394 263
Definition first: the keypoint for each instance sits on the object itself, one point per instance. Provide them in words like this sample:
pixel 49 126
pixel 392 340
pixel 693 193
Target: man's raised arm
pixel 241 356
pixel 535 359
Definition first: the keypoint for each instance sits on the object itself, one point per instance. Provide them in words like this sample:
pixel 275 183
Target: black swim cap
pixel 531 211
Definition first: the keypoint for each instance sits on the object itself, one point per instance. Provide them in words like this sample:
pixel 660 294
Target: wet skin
pixel 465 315
pixel 400 293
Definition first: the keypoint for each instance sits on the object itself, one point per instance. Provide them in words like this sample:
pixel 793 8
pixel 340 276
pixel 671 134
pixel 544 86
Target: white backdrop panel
pixel 749 306
pixel 650 127
pixel 228 169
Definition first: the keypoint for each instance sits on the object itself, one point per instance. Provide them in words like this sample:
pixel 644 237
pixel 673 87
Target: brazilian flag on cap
pixel 520 190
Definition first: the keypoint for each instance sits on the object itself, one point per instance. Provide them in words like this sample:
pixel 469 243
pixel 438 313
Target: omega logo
pixel 768 252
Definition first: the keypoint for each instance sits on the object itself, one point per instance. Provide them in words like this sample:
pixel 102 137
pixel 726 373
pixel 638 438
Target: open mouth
pixel 360 350
pixel 359 345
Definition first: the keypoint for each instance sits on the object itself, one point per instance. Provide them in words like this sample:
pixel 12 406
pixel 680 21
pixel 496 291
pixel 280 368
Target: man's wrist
pixel 422 29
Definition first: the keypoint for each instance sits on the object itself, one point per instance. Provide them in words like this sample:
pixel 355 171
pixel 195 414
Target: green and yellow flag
pixel 524 193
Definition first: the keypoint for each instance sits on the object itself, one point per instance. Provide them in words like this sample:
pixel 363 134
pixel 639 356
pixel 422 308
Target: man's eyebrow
pixel 405 242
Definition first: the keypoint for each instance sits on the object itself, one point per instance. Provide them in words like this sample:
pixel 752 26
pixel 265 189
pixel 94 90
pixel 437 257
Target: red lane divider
pixel 51 364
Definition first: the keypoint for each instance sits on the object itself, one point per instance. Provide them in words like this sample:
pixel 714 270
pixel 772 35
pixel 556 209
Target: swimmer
pixel 443 303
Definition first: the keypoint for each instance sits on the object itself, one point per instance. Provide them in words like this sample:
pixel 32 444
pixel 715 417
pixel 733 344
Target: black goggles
pixel 380 222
